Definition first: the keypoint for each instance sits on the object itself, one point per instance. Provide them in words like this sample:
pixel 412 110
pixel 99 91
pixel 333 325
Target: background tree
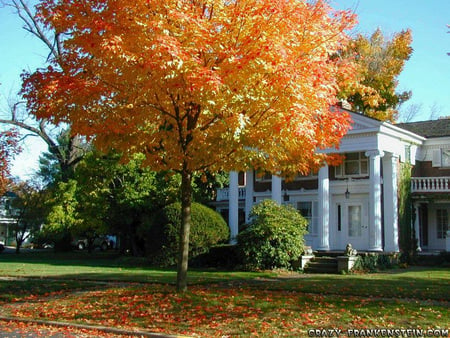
pixel 379 63
pixel 9 147
pixel 58 164
pixel 65 148
pixel 118 197
pixel 29 208
pixel 62 217
pixel 197 85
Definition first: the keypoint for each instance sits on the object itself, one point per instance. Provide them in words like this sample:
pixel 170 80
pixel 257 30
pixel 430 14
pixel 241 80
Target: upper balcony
pixel 224 194
pixel 430 184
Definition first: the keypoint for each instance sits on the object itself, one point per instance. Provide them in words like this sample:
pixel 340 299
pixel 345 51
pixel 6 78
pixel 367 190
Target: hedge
pixel 208 228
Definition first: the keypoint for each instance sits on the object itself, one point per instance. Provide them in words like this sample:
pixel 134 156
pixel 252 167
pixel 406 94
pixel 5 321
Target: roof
pixel 428 129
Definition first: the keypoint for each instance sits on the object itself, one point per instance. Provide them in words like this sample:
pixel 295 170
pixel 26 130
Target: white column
pixel 417 225
pixel 375 200
pixel 233 206
pixel 276 189
pixel 391 234
pixel 248 194
pixel 323 230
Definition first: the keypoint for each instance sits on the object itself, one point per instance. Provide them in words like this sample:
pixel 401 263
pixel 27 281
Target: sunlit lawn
pixel 223 303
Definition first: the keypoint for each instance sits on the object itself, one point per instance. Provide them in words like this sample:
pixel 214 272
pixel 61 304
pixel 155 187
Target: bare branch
pixel 33 26
pixel 435 111
pixel 410 113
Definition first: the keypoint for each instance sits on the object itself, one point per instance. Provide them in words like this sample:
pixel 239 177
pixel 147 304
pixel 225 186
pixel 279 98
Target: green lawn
pixel 112 291
pixel 102 267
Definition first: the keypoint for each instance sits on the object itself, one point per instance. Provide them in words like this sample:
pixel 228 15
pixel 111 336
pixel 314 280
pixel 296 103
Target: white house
pixel 356 202
pixel 430 185
pixel 8 218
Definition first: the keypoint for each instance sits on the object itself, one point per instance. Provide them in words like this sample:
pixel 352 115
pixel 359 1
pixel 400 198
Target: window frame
pixel 312 217
pixel 441 223
pixel 445 158
pixel 340 170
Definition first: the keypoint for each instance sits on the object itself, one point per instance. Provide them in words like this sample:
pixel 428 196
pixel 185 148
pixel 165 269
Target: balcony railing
pixel 224 194
pixel 430 184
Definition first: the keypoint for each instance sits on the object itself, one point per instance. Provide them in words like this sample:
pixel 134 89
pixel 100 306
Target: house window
pixel 354 221
pixel 309 210
pixel 441 223
pixel 446 157
pixel 441 158
pixel 241 178
pixel 355 164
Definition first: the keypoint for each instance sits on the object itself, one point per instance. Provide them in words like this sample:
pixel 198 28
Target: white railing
pixel 430 184
pixel 224 194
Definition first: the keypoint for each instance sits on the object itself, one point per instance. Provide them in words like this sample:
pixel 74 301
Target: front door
pixel 355 225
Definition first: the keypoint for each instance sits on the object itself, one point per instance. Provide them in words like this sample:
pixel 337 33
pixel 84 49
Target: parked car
pixel 100 242
pixel 2 247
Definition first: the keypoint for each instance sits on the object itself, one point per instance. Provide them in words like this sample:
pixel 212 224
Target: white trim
pixel 233 211
pixel 323 226
pixel 375 200
pixel 276 189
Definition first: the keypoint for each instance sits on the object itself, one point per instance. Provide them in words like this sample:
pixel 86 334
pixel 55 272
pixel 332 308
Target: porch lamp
pixel 347 193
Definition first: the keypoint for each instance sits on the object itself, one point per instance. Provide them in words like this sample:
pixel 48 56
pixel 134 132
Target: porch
pixel 223 194
pixel 430 184
pixel 431 206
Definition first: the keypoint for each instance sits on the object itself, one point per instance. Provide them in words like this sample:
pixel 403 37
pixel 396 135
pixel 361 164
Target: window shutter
pixel 437 158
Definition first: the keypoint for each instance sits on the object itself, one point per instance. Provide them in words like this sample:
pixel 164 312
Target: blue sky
pixel 426 74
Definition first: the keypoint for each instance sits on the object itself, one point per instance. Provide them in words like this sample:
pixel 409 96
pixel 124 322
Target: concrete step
pixel 328 253
pixel 322 264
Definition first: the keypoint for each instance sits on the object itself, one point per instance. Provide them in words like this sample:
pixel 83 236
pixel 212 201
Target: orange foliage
pixel 200 84
pixel 8 149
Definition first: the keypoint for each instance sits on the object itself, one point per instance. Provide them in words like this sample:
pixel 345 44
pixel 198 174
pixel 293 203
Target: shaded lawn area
pixel 103 267
pixel 225 303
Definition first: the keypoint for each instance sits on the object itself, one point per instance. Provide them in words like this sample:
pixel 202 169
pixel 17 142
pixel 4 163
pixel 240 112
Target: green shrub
pixel 371 262
pixel 208 228
pixel 274 237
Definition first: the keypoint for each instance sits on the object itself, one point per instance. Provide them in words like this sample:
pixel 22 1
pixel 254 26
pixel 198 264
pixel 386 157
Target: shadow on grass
pixel 84 270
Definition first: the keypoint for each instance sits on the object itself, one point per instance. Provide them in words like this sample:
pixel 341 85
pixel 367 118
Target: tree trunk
pixel 19 242
pixel 183 252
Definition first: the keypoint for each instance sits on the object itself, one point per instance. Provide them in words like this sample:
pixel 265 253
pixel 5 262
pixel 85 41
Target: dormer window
pixel 354 164
pixel 446 157
pixel 441 158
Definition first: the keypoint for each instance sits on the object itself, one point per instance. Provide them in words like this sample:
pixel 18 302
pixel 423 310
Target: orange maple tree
pixel 9 147
pixel 195 85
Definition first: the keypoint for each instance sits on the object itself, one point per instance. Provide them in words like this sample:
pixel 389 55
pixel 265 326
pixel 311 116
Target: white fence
pixel 223 194
pixel 430 184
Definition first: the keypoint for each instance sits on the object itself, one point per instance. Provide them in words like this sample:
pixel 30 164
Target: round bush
pixel 208 228
pixel 274 237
